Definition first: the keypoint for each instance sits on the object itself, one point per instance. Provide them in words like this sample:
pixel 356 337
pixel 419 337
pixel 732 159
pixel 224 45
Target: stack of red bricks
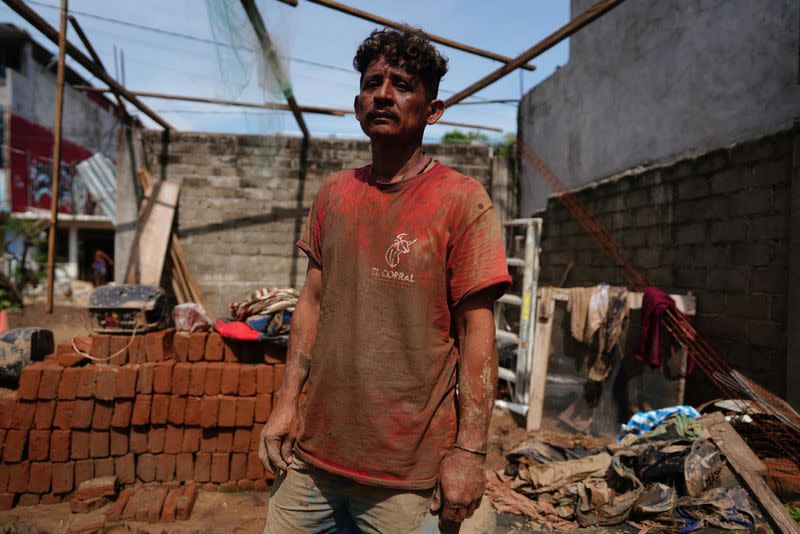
pixel 167 407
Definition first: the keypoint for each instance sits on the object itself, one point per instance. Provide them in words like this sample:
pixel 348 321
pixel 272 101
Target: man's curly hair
pixel 411 50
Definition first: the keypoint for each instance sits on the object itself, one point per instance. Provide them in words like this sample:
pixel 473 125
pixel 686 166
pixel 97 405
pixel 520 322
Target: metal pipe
pixel 597 10
pixel 22 9
pixel 405 27
pixel 272 58
pixel 51 241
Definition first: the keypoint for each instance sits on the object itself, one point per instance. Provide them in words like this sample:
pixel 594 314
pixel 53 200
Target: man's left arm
pixel 461 477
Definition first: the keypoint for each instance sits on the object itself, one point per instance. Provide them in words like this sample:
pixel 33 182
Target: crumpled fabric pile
pixel 666 475
pixel 265 316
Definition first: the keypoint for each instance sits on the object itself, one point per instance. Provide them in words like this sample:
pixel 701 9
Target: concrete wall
pixel 717 226
pixel 243 203
pixel 657 81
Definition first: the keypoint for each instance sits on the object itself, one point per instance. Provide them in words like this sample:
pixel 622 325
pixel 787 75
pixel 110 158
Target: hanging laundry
pixel 655 304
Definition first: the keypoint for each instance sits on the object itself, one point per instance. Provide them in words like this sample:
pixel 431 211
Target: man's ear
pixel 435 111
pixel 355 108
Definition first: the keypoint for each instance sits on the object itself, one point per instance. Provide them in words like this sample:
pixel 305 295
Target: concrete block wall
pixel 717 226
pixel 244 201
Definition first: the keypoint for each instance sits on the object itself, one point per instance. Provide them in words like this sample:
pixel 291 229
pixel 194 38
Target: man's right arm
pixel 280 432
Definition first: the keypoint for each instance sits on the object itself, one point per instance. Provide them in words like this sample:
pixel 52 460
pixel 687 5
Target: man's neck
pixel 394 163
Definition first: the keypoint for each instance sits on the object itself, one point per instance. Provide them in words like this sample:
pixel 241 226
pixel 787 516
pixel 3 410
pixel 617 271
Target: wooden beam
pixel 584 19
pixel 272 60
pixel 405 27
pixel 338 112
pixel 22 9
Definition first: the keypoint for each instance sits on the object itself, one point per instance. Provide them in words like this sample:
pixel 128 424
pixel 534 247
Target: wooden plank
pixel 685 303
pixel 750 469
pixel 153 239
pixel 541 355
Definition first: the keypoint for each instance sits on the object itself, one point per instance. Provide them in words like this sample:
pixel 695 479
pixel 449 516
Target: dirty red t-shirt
pixel 396 259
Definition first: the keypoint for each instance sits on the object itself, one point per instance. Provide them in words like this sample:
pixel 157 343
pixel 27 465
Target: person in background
pixel 100 266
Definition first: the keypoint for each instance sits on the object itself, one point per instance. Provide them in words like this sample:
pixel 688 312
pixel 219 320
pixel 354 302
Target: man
pixel 405 262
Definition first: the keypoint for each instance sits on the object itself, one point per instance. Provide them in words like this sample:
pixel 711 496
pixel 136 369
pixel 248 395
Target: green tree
pixel 457 136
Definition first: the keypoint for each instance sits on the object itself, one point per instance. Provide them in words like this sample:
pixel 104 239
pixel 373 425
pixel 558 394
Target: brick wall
pixel 243 202
pixel 716 225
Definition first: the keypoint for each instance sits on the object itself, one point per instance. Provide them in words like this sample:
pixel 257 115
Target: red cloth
pixel 396 259
pixel 654 304
pixel 238 330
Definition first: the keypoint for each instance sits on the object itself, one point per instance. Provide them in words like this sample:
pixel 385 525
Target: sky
pixel 309 33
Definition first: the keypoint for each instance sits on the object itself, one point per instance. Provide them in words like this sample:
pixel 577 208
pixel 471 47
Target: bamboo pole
pixel 51 242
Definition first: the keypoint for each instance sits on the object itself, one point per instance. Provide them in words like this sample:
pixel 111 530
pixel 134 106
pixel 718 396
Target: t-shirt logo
pixel 400 246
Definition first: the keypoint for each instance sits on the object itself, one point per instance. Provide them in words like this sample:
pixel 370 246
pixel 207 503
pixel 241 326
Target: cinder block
pixel 125 469
pixel 29 382
pixel 39 445
pixel 229 384
pixel 101 346
pixel 155 439
pixel 106 382
pixel 180 378
pixel 82 413
pixel 48 382
pixel 59 445
pixel 264 379
pixel 160 410
pixel 197 346
pixel 193 414
pixel 197 378
pixel 173 442
pixel 162 378
pixel 103 411
pixel 121 418
pixel 215 348
pixel 220 463
pixel 227 411
pixel 120 440
pixel 79 445
pixel 126 382
pixel 210 411
pixel 213 378
pixel 202 467
pixel 98 444
pixel 263 408
pixel 24 414
pixel 63 477
pixel 165 467
pixel 177 410
pixel 245 408
pixel 43 418
pixel 142 406
pixel 14 446
pixel 241 440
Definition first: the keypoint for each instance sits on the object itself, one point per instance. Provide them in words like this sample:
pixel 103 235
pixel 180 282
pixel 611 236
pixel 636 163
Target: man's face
pixel 392 103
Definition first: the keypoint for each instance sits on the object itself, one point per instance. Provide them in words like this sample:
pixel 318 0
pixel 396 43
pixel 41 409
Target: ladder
pixel 522 239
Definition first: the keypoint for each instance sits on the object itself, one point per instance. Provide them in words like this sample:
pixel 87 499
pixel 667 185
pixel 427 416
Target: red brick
pixel 59 445
pixel 184 467
pixel 278 376
pixel 238 469
pixel 255 469
pixel 7 407
pixel 210 410
pixel 158 345
pixel 125 469
pixel 193 412
pixel 84 470
pixel 245 408
pixel 50 498
pixel 169 510
pixel 7 501
pixel 38 445
pixel 162 378
pixel 104 467
pixel 219 466
pixel 18 476
pixel 191 439
pixel 144 378
pixel 48 382
pixel 264 379
pixel 63 416
pixel 180 378
pixel 213 378
pixel 136 353
pixel 29 382
pixel 126 382
pixel 227 411
pixel 202 467
pixel 247 380
pixel 101 345
pixel 197 378
pixel 69 359
pixel 208 442
pixel 197 346
pixel 106 382
pixel 24 413
pixel 160 410
pixel 274 354
pixel 28 499
pixel 2 440
pixel 120 439
pixel 43 418
pixel 177 410
pixel 244 485
pixel 141 409
pixel 180 345
pixel 68 386
pixel 82 413
pixel 63 477
pixel 165 467
pixel 118 348
pixel 241 440
pixel 263 408
pixel 121 418
pixel 186 502
pixel 138 443
pixel 98 444
pixel 116 509
pixel 101 419
pixel 233 351
pixel 173 442
pixel 79 444
pixel 82 343
pixel 14 447
pixel 229 384
pixel 210 486
pixel 255 436
pixel 224 440
pixel 155 439
pixel 215 347
pixel 86 383
pixel 99 486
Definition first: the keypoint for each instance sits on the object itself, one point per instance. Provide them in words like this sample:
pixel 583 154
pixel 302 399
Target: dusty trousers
pixel 309 500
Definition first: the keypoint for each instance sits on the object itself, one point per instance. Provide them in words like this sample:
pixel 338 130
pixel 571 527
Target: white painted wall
pixel 654 81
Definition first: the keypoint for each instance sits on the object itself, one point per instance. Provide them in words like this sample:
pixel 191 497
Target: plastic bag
pixel 191 317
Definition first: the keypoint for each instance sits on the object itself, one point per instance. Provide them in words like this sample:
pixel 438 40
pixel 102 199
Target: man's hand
pixel 461 485
pixel 278 437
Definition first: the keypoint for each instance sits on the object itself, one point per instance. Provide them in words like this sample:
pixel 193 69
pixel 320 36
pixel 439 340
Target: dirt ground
pixel 65 321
